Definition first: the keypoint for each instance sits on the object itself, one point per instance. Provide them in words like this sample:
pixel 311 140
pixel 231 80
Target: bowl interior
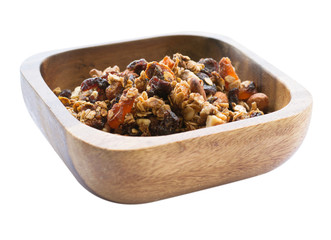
pixel 68 69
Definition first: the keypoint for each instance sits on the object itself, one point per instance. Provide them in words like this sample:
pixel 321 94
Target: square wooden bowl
pixel 142 169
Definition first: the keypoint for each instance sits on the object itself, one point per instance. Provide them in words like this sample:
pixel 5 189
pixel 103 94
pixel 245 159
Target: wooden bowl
pixel 142 169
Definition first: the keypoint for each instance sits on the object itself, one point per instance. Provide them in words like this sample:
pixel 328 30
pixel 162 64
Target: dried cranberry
pixel 158 87
pixel 65 93
pixel 95 82
pixel 233 97
pixel 210 65
pixel 137 65
pixel 168 125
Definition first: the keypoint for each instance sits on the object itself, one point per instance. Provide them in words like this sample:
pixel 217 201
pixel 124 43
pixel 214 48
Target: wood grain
pixel 143 169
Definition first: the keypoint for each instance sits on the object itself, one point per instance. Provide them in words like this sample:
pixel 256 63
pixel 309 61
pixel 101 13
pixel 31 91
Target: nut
pixel 188 113
pixel 212 120
pixel 196 86
pixel 261 100
pixel 222 97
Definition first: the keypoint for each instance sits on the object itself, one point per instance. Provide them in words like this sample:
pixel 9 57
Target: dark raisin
pixel 212 99
pixel 251 87
pixel 210 65
pixel 96 123
pixel 96 82
pixel 129 76
pixel 210 89
pixel 137 65
pixel 255 114
pixel 158 87
pixel 154 70
pixel 202 75
pixel 168 125
pixel 233 97
pixel 113 90
pixel 65 93
pixel 131 129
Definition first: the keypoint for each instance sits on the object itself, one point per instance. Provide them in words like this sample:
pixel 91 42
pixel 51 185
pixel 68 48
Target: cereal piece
pixel 57 91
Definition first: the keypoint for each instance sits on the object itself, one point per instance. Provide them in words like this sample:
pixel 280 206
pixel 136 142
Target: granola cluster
pixel 158 98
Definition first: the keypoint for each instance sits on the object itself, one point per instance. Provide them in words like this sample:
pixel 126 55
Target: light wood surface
pixel 143 169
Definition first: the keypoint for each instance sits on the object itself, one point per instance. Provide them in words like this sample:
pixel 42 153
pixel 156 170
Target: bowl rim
pixel 30 70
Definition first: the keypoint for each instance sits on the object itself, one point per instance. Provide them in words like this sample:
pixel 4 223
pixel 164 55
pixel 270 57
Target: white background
pixel 40 199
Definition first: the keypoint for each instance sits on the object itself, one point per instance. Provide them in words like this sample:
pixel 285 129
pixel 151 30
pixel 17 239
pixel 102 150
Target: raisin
pixel 154 69
pixel 255 114
pixel 210 89
pixel 233 97
pixel 137 66
pixel 210 65
pixel 131 129
pixel 96 123
pixel 113 90
pixel 65 93
pixel 96 82
pixel 158 87
pixel 168 125
pixel 159 70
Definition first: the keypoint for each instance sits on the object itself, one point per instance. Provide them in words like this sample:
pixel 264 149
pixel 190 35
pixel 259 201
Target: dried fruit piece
pixel 114 89
pixel 205 77
pixel 65 93
pixel 159 70
pixel 168 62
pixel 95 82
pixel 227 72
pixel 116 114
pixel 158 87
pixel 247 89
pixel 233 97
pixel 137 66
pixel 210 65
pixel 168 125
pixel 209 89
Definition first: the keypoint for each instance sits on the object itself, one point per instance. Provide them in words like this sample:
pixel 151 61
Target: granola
pixel 159 98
